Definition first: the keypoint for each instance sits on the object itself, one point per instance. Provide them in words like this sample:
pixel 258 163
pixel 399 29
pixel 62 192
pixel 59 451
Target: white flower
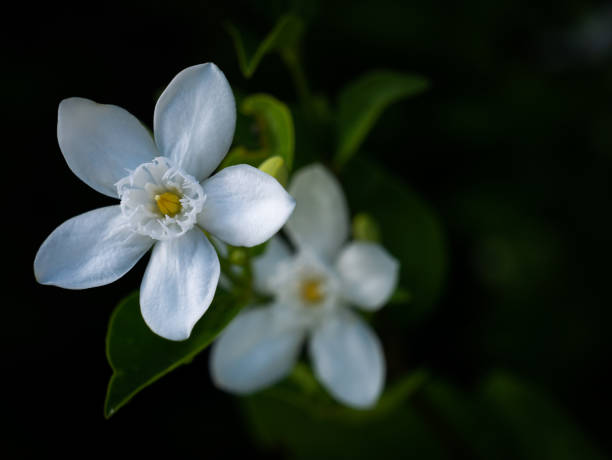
pixel 166 199
pixel 312 290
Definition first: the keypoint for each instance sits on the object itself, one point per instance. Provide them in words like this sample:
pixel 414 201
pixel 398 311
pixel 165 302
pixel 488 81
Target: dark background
pixel 511 147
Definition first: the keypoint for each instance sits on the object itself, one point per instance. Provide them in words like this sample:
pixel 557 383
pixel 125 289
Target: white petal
pixel 179 284
pixel 265 267
pixel 368 273
pixel 321 219
pixel 257 349
pixel 195 119
pixel 101 143
pixel 348 359
pixel 244 206
pixel 89 250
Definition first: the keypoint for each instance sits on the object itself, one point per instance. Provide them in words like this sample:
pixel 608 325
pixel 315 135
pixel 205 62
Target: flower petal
pixel 101 143
pixel 257 349
pixel 265 266
pixel 244 206
pixel 179 284
pixel 89 250
pixel 321 219
pixel 368 273
pixel 348 359
pixel 195 119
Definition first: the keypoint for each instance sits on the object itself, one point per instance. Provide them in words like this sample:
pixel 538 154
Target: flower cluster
pixel 170 202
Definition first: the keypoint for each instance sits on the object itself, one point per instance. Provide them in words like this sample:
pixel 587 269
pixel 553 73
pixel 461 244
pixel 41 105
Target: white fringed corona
pixel 142 190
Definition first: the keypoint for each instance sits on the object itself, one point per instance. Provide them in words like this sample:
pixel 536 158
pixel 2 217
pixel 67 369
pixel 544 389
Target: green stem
pixel 226 268
pixel 248 269
pixel 293 62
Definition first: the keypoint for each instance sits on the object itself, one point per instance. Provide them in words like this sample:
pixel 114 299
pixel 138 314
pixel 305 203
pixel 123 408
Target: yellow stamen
pixel 168 203
pixel 312 292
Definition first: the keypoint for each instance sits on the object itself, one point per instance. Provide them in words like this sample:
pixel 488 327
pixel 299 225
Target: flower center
pixel 160 200
pixel 168 203
pixel 312 291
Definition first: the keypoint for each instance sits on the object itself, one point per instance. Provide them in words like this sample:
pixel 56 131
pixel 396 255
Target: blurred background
pixel 508 152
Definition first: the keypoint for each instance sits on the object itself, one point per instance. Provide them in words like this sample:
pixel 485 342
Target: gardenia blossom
pixel 312 290
pixel 167 199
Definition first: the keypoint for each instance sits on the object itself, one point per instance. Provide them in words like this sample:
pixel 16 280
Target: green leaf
pixel 285 34
pixel 138 357
pixel 362 102
pixel 274 125
pixel 410 231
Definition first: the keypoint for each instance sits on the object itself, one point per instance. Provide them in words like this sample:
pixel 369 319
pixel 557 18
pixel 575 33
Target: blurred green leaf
pixel 285 35
pixel 274 126
pixel 306 426
pixel 242 155
pixel 534 421
pixel 139 357
pixel 464 423
pixel 507 418
pixel 258 250
pixel 410 231
pixel 275 166
pixel 362 102
pixel 303 390
pixel 400 296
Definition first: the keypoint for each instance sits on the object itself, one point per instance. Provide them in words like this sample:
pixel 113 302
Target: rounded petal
pixel 244 206
pixel 195 119
pixel 348 359
pixel 89 250
pixel 257 349
pixel 368 273
pixel 179 284
pixel 321 218
pixel 265 266
pixel 101 143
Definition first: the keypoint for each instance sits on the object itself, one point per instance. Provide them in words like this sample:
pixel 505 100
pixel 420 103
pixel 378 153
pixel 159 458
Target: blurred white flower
pixel 166 199
pixel 312 290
